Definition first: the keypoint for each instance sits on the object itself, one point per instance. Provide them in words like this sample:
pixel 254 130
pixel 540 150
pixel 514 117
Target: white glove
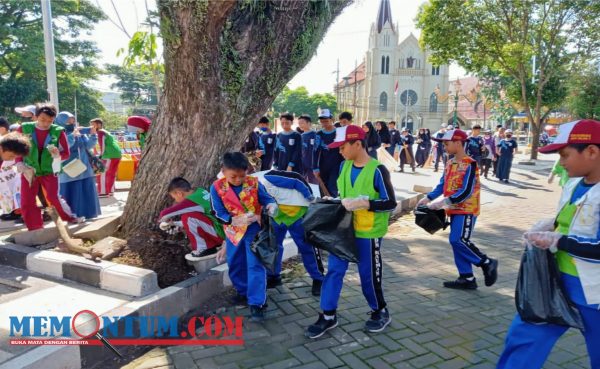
pixel 359 203
pixel 53 151
pixel 240 221
pixel 272 209
pixel 543 240
pixel 544 225
pixel 327 198
pixel 441 203
pixel 424 201
pixel 171 227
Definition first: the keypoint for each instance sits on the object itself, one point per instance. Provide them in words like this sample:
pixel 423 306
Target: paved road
pixel 432 327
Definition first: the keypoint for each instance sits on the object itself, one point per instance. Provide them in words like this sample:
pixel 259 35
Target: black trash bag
pixel 328 226
pixel 430 220
pixel 540 296
pixel 264 245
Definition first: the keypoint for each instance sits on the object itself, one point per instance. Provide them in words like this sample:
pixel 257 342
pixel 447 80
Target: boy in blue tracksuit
pixel 326 162
pixel 366 190
pixel 573 236
pixel 237 200
pixel 288 147
pixel 309 137
pixel 266 144
pixel 293 195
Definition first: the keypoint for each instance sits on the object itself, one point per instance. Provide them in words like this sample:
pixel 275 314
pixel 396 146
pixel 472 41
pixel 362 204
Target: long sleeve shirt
pixel 223 214
pixel 382 184
pixel 466 190
pixel 308 147
pixel 288 151
pixel 326 159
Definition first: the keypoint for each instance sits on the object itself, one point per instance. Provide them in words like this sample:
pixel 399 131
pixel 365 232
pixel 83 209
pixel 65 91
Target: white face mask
pixel 132 129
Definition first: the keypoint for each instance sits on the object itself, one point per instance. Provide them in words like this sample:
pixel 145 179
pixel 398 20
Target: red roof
pixel 360 75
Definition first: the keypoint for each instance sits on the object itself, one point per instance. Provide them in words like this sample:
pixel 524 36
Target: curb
pixel 120 278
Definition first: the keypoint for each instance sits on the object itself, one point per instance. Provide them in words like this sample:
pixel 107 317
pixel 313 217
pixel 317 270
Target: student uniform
pixel 293 195
pixel 370 226
pixel 246 272
pixel 528 345
pixel 201 227
pixel 327 161
pixel 460 183
pixel 288 151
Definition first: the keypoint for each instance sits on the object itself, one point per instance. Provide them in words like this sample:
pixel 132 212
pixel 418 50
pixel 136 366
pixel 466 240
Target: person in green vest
pixel 41 167
pixel 110 153
pixel 365 189
pixel 573 238
pixel 561 172
pixel 203 230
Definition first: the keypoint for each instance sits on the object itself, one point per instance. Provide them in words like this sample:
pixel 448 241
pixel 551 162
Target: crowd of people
pixel 68 166
pixel 342 161
pixel 58 163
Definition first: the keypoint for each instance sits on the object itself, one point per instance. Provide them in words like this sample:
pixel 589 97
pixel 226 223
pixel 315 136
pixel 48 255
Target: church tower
pixel 395 80
pixel 380 62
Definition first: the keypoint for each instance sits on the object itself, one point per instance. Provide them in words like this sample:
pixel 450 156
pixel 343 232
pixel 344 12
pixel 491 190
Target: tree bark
pixel 225 62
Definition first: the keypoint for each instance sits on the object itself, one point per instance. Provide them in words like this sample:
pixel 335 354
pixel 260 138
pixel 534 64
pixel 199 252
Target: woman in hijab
pixel 78 181
pixel 385 136
pixel 506 150
pixel 424 145
pixel 372 139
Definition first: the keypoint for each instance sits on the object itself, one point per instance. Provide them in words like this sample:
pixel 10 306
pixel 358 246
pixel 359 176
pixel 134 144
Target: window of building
pixel 433 103
pixel 410 62
pixel 383 65
pixel 435 71
pixel 387 65
pixel 383 102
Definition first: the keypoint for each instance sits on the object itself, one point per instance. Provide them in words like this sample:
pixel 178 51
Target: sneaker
pixel 46 217
pixel 461 284
pixel 239 300
pixel 10 216
pixel 19 220
pixel 207 252
pixel 257 313
pixel 378 321
pixel 273 282
pixel 316 287
pixel 490 272
pixel 321 326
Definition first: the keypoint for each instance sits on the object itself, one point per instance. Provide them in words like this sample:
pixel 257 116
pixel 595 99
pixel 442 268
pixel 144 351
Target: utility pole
pixel 337 84
pixel 49 52
pixel 355 87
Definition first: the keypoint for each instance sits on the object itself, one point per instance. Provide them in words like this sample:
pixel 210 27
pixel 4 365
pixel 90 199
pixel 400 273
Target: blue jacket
pixel 78 147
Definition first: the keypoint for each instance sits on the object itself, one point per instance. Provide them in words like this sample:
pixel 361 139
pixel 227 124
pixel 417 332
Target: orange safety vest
pixel 245 202
pixel 454 175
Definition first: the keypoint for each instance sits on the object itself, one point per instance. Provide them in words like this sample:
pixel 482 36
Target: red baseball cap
pixel 586 131
pixel 453 135
pixel 345 134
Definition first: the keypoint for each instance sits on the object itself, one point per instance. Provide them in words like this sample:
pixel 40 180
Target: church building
pixel 394 81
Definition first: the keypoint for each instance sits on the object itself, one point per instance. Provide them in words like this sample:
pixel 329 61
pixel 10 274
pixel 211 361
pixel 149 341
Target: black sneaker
pixel 378 321
pixel 273 282
pixel 239 300
pixel 46 217
pixel 257 313
pixel 10 216
pixel 490 272
pixel 321 326
pixel 206 252
pixel 316 287
pixel 461 284
pixel 19 220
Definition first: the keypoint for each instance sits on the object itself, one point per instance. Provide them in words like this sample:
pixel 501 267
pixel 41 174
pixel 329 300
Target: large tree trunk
pixel 225 62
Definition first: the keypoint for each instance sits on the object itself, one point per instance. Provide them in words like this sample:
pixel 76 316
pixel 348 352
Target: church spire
pixel 384 15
